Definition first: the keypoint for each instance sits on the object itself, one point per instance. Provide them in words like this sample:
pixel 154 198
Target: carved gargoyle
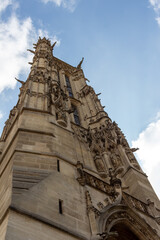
pixel 22 82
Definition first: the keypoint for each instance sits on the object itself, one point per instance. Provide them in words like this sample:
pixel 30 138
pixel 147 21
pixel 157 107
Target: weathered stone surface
pixel 74 174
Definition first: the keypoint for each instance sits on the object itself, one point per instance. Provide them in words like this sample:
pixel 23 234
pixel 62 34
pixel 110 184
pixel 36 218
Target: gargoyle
pixel 22 82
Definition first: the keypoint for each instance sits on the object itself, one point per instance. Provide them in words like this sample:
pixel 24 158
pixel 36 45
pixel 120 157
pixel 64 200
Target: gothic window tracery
pixel 76 115
pixel 69 89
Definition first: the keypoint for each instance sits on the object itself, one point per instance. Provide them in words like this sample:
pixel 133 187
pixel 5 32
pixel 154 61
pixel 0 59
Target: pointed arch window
pixel 69 89
pixel 76 115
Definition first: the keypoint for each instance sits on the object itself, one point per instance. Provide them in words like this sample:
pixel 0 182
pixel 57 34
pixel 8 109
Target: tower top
pixel 44 41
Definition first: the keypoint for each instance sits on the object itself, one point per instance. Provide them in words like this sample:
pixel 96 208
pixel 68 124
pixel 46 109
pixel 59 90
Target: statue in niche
pixel 129 151
pixel 55 93
pixel 120 136
pixel 101 139
pixel 96 143
pixel 58 99
pixel 99 165
pixel 115 158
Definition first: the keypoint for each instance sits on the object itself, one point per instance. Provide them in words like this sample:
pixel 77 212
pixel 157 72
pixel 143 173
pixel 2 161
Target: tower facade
pixel 74 173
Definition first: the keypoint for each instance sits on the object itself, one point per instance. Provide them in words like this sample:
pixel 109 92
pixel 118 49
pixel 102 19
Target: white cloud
pixel 69 4
pixel 156 6
pixel 4 4
pixel 158 20
pixel 1 115
pixel 15 37
pixel 149 152
pixel 14 40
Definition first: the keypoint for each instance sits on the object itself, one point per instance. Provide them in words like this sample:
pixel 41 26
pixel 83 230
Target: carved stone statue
pixel 100 166
pixel 115 159
pixel 58 99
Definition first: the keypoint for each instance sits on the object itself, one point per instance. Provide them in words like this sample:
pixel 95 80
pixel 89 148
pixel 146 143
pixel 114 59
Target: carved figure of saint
pixel 99 165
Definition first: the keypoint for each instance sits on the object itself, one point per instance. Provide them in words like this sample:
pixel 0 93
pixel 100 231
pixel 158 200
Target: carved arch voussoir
pixel 128 217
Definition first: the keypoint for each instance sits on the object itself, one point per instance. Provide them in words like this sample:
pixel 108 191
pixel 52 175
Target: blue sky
pixel 120 43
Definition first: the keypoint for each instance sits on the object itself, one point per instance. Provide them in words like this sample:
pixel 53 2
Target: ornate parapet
pixel 102 143
pixel 115 193
pixel 136 204
pixel 84 178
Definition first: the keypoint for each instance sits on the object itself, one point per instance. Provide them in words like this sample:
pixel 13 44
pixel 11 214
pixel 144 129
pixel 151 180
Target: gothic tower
pixel 74 174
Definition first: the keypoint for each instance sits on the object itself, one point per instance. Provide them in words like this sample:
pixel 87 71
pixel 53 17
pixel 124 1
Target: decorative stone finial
pixel 79 65
pixel 53 45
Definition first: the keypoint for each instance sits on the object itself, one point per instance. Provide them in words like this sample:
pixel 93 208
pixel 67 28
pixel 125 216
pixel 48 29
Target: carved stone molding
pixel 101 114
pixel 77 75
pixel 90 206
pixel 112 190
pixel 36 94
pixel 124 216
pixel 62 65
pixel 39 76
pixel 129 151
pixel 85 91
pixel 135 203
pixel 85 178
pixel 103 147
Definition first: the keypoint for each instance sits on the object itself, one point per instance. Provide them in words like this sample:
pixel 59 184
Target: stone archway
pixel 124 232
pixel 126 222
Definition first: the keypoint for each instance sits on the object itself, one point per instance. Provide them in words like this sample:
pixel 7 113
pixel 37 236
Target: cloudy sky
pixel 120 42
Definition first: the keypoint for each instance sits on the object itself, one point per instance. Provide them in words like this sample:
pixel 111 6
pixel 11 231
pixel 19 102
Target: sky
pixel 120 43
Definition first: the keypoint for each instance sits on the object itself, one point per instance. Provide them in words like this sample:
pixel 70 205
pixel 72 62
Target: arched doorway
pixel 126 222
pixel 124 233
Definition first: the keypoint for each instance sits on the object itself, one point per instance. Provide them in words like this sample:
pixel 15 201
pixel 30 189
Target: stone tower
pixel 74 174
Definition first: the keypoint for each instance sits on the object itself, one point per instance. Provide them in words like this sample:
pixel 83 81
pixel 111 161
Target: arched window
pixel 69 89
pixel 76 115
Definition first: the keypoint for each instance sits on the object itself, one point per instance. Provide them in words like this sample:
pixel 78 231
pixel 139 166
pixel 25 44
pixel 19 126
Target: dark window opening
pixel 69 89
pixel 58 166
pixel 76 115
pixel 124 233
pixel 60 206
